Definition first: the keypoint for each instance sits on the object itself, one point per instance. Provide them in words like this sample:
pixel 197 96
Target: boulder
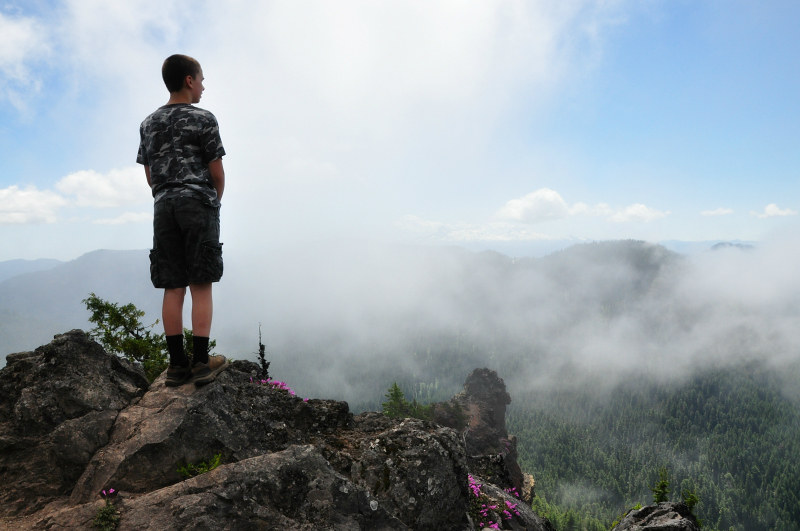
pixel 58 405
pixel 672 516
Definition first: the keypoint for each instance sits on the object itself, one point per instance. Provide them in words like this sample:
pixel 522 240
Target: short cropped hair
pixel 176 68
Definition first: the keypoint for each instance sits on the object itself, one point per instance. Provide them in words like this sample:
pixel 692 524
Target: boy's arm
pixel 147 173
pixel 217 176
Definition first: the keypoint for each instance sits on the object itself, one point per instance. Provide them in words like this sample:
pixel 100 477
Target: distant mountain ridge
pixel 12 268
pixel 36 304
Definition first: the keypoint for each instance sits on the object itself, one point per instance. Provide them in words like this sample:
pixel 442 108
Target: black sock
pixel 176 354
pixel 200 349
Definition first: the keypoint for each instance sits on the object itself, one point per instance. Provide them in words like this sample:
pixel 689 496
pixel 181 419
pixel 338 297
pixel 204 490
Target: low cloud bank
pixel 598 311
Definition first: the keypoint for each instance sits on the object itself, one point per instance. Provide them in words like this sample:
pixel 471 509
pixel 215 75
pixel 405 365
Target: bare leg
pixel 172 311
pixel 202 309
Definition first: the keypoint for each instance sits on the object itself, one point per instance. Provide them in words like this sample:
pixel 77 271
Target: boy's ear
pixel 188 81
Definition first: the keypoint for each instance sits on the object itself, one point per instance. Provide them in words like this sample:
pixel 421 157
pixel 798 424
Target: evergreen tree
pixel 661 488
pixel 396 405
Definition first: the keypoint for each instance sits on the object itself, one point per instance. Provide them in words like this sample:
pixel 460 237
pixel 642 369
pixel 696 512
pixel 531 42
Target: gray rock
pixel 57 407
pixel 479 413
pixel 292 489
pixel 187 424
pixel 75 420
pixel 499 506
pixel 418 471
pixel 666 516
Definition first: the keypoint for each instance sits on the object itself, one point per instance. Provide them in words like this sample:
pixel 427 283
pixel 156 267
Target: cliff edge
pixel 76 422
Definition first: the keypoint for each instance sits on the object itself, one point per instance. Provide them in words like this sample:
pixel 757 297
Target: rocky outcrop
pixel 57 408
pixel 479 412
pixel 674 516
pixel 75 420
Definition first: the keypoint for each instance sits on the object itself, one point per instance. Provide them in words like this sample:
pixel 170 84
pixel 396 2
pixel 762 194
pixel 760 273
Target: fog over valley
pixel 345 320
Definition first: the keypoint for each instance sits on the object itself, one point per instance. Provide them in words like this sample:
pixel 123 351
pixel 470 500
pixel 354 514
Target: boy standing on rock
pixel 182 152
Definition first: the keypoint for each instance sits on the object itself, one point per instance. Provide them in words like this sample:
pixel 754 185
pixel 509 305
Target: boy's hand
pixel 217 176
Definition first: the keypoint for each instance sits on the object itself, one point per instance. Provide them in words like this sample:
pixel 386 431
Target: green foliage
pixel 690 498
pixel 566 519
pixel 661 488
pixel 190 470
pixel 729 436
pixel 396 405
pixel 188 344
pixel 120 330
pixel 107 517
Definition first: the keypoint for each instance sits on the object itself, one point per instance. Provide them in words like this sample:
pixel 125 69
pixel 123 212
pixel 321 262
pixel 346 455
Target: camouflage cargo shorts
pixel 186 248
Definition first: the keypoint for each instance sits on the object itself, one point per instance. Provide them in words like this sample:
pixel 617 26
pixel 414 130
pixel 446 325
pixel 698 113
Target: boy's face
pixel 196 86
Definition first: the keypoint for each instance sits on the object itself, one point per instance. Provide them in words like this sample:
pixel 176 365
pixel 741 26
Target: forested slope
pixel 729 435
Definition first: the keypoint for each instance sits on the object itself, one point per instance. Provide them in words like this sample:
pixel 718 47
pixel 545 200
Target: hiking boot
pixel 177 375
pixel 204 373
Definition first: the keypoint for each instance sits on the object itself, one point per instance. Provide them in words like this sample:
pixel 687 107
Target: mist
pixel 335 317
pixel 345 319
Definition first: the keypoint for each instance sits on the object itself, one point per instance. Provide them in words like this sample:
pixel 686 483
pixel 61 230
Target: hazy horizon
pixel 592 312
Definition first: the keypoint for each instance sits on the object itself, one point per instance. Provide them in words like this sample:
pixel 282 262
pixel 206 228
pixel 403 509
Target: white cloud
pixel 382 99
pixel 637 212
pixel 28 206
pixel 546 204
pixel 772 211
pixel 86 189
pixel 22 40
pixel 118 187
pixel 717 212
pixel 112 38
pixel 541 205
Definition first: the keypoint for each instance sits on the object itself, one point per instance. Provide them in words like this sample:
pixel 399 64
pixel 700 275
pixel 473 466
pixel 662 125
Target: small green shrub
pixel 107 517
pixel 120 330
pixel 188 344
pixel 190 470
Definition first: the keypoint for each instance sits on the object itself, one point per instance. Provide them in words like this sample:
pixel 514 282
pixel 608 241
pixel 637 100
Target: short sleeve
pixel 211 143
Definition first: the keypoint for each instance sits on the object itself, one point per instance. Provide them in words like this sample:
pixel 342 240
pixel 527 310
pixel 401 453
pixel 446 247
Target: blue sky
pixel 484 124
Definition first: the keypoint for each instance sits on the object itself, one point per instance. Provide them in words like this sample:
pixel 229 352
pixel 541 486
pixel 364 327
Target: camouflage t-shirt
pixel 177 142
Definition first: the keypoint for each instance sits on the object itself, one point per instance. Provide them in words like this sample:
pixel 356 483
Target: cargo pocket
pixel 210 261
pixel 155 276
